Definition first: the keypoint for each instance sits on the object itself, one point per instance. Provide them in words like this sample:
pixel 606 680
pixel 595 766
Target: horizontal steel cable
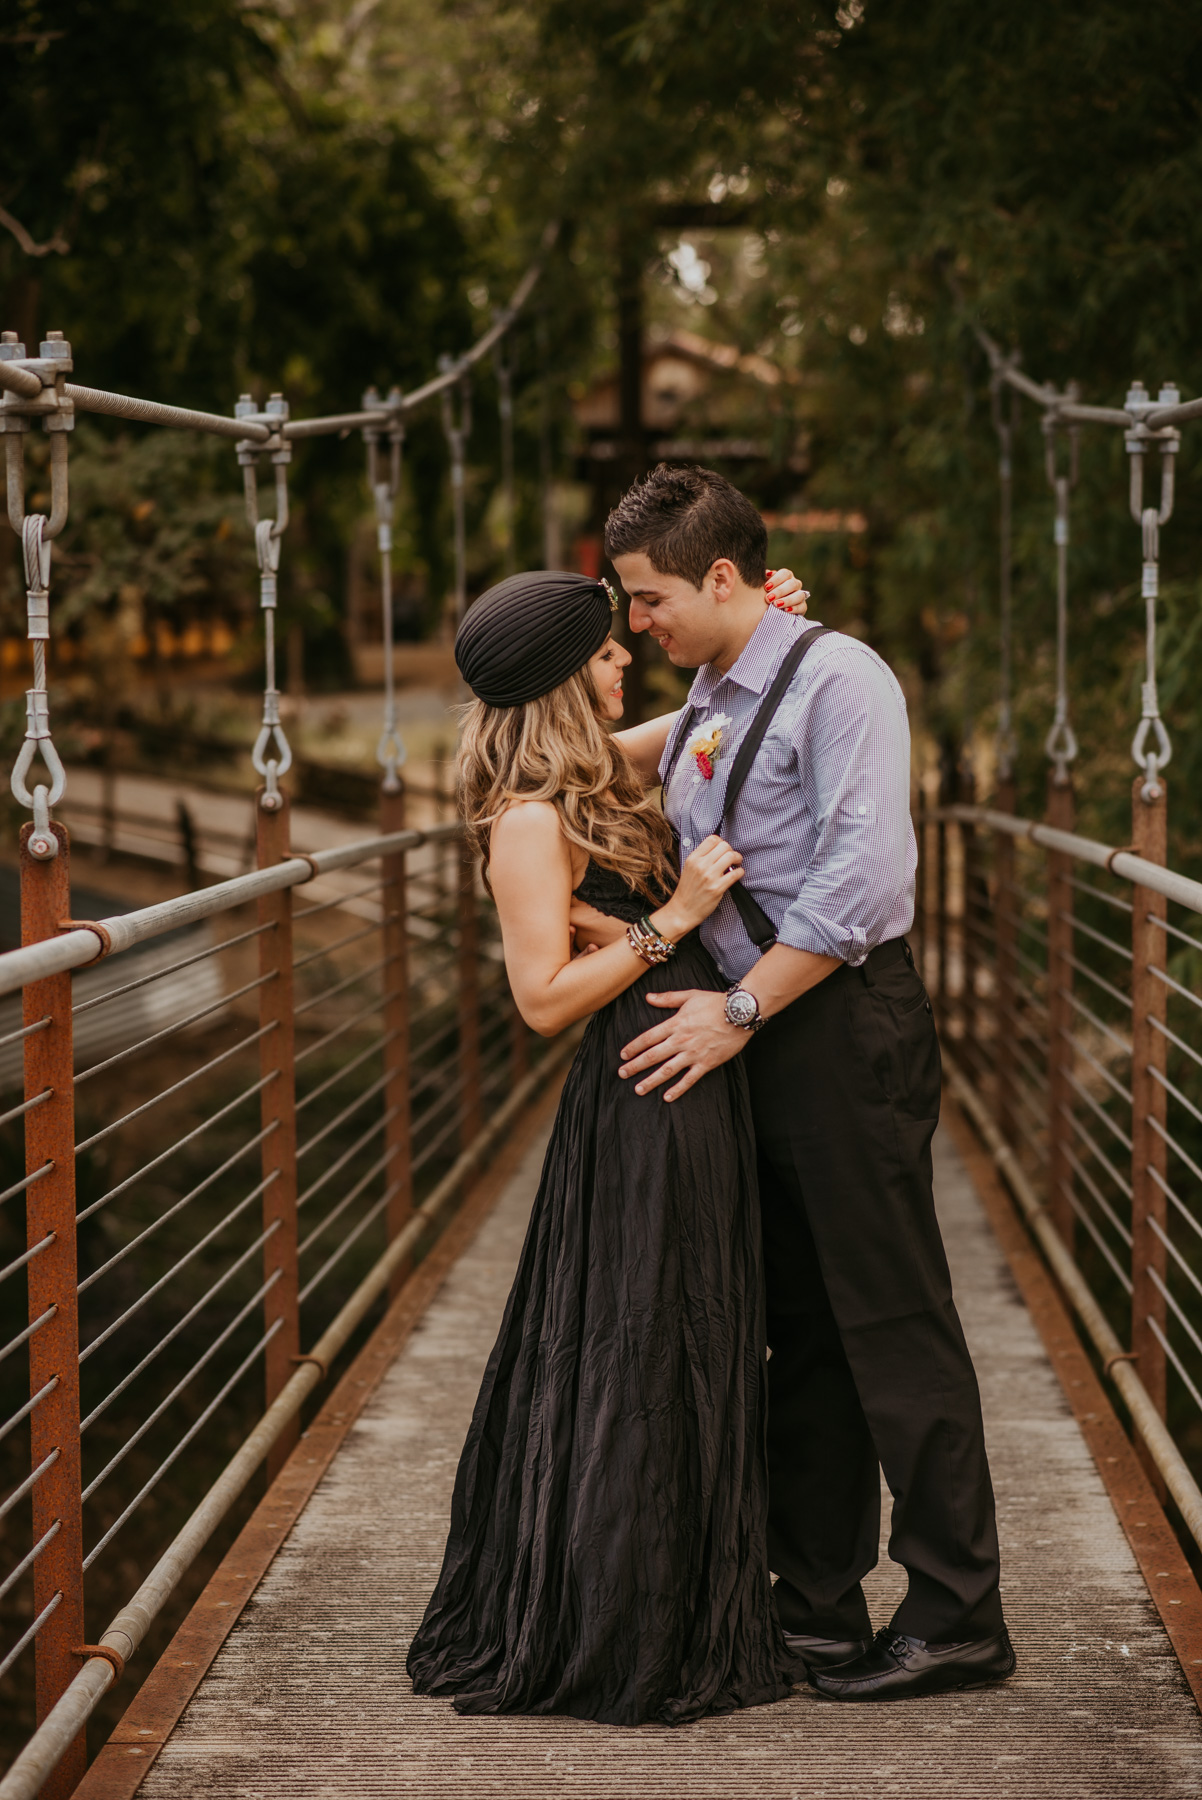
pixel 27 1256
pixel 352 937
pixel 336 1031
pixel 23 1337
pixel 1176 1309
pixel 340 1118
pixel 1024 925
pixel 1176 1362
pixel 178 1206
pixel 1026 995
pixel 180 1324
pixel 24 1031
pixel 1099 1068
pixel 31 1556
pixel 308 912
pixel 24 1412
pixel 419 1018
pixel 1033 1142
pixel 1161 975
pixel 373 1049
pixel 1175 931
pixel 202 1420
pixel 1100 1200
pixel 28 1636
pixel 451 1091
pixel 19 1187
pixel 185 962
pixel 1096 1151
pixel 1162 1028
pixel 26 1106
pixel 430 1150
pixel 184 1260
pixel 1066 1188
pixel 222 1112
pixel 1083 1093
pixel 1176 1200
pixel 1107 987
pixel 1099 937
pixel 431 1077
pixel 1177 1257
pixel 1087 887
pixel 1174 1146
pixel 31 1480
pixel 340 1162
pixel 156 1037
pixel 1036 1076
pixel 348 981
pixel 206 1356
pixel 1171 1087
pixel 351 1238
pixel 349 1198
pixel 1120 1043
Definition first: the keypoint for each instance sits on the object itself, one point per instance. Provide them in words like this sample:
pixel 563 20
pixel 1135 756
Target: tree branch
pixel 56 243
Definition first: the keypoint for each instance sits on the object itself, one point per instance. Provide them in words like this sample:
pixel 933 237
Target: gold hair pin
pixel 613 598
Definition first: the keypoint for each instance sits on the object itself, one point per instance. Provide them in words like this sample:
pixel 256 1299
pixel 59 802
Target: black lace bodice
pixel 606 890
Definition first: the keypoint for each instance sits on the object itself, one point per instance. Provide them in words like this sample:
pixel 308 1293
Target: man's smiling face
pixel 685 620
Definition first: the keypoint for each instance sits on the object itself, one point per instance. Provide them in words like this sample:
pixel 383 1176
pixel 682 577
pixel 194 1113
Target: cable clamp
pixel 105 1653
pixel 102 932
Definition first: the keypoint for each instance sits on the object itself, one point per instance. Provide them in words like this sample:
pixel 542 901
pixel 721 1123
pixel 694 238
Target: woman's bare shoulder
pixel 528 843
pixel 527 824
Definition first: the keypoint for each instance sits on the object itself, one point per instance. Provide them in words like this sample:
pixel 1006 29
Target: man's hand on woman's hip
pixel 685 1047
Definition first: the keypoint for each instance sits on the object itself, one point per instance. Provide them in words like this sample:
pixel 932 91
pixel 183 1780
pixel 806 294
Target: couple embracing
pixel 733 1307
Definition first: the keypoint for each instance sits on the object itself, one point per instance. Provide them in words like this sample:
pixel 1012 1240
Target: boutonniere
pixel 706 743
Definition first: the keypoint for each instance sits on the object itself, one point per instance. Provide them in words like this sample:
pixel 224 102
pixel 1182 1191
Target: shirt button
pixel 863 810
pixel 688 843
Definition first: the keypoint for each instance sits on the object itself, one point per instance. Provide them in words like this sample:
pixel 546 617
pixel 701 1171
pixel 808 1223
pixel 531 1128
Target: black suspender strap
pixel 759 926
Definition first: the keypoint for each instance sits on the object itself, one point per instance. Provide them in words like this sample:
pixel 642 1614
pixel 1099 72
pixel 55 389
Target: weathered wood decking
pixel 309 1699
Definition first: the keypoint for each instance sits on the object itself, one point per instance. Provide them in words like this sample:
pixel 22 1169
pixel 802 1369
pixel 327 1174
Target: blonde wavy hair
pixel 556 748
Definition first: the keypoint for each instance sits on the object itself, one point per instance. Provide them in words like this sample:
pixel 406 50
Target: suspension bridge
pixel 305 1172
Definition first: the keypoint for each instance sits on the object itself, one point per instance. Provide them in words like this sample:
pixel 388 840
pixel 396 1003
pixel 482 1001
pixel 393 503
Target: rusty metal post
pixel 1005 1016
pixel 53 1282
pixel 397 1132
pixel 1148 1110
pixel 1061 814
pixel 471 1116
pixel 941 944
pixel 277 1065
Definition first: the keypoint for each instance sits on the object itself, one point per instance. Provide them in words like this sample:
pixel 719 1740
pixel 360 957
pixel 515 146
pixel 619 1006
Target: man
pixel 868 1360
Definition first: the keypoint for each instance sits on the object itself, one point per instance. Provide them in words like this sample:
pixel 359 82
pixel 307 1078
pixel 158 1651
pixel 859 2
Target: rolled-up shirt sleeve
pixel 852 745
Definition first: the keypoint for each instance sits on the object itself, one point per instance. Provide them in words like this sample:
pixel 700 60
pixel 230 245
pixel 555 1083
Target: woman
pixel 607 1554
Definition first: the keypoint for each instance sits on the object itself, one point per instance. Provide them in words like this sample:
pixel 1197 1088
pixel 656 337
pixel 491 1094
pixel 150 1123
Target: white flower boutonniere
pixel 705 744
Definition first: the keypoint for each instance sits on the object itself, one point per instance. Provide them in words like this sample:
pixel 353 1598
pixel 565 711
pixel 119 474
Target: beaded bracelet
pixel 649 943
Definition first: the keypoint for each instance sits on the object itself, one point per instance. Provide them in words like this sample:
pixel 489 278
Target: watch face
pixel 741 1008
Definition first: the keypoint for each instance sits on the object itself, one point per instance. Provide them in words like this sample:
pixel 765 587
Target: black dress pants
pixel 869 1365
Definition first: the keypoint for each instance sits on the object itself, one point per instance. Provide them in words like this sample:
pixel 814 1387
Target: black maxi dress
pixel 607 1554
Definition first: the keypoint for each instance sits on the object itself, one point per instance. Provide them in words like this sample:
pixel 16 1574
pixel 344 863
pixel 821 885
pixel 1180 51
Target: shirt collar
pixel 756 663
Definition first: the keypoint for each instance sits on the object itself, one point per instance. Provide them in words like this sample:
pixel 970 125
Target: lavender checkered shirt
pixel 823 822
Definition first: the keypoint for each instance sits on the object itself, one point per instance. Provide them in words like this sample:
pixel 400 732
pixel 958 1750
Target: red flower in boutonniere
pixel 705 744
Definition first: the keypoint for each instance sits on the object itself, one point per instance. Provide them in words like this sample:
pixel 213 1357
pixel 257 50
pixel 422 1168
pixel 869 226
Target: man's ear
pixel 723 578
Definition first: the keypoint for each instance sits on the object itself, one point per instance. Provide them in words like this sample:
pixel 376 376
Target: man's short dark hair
pixel 683 520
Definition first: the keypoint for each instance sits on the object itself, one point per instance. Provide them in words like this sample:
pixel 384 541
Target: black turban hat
pixel 530 632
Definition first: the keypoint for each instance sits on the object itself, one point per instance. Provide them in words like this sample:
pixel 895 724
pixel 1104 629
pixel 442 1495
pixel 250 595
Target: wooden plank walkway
pixel 309 1697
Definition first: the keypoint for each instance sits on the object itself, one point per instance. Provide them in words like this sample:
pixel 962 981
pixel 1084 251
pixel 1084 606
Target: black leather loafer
pixel 897 1667
pixel 824 1653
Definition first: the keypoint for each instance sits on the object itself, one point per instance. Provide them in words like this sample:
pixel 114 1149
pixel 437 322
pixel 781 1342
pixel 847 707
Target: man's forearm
pixel 782 975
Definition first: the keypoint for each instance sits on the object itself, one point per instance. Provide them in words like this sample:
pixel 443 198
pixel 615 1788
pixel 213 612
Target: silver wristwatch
pixel 743 1009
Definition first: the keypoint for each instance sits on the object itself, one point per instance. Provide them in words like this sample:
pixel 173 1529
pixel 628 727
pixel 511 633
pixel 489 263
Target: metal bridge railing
pixel 1064 974
pixel 221 1202
pixel 242 1125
